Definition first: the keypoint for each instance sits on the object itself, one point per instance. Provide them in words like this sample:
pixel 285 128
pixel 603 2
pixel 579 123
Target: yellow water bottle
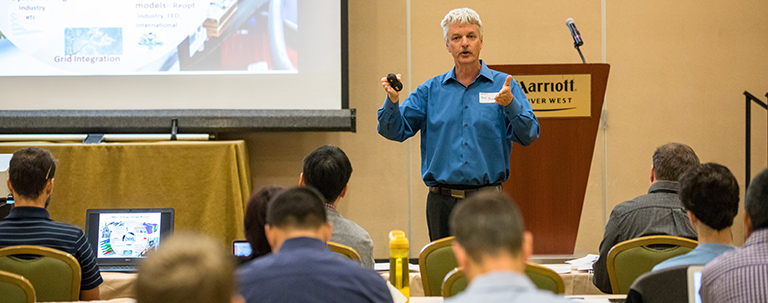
pixel 398 262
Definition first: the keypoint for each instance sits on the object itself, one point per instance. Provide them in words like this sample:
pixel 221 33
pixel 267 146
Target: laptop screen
pixel 241 248
pixel 694 283
pixel 122 236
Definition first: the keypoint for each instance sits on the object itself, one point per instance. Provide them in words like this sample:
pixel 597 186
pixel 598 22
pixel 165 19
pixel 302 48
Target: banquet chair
pixel 15 288
pixel 629 259
pixel 455 282
pixel 435 261
pixel 344 250
pixel 55 275
pixel 545 278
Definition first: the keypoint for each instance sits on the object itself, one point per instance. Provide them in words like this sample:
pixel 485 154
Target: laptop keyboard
pixel 117 268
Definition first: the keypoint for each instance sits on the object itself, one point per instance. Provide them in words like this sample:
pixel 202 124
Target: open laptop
pixel 121 237
pixel 694 283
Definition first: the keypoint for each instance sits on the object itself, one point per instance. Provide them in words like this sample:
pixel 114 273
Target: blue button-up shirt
pixel 463 141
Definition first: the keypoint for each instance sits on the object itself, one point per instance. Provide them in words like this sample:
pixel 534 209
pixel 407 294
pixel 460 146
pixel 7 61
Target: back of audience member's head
pixel 756 201
pixel 328 170
pixel 188 268
pixel 488 224
pixel 671 160
pixel 301 208
pixel 29 171
pixel 255 218
pixel 711 192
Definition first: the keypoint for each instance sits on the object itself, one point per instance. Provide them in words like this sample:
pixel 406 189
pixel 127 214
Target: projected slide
pixel 128 235
pixel 147 37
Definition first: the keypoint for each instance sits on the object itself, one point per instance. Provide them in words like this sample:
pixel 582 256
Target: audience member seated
pixel 659 212
pixel 188 268
pixel 492 248
pixel 30 180
pixel 255 219
pixel 328 169
pixel 710 194
pixel 741 275
pixel 301 268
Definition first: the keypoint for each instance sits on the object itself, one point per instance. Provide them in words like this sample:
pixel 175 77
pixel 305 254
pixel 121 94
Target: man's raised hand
pixel 505 96
pixel 394 95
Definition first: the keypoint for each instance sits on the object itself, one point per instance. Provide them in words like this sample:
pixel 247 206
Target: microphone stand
pixel 575 45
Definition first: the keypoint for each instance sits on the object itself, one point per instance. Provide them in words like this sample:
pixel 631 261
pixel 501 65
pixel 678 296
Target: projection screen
pixel 133 66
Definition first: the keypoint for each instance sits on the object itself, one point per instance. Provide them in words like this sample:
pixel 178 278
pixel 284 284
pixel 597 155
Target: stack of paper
pixel 584 263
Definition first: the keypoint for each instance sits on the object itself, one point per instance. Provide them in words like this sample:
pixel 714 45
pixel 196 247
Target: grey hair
pixel 461 15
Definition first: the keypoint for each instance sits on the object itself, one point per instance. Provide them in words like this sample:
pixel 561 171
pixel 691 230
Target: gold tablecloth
pixel 207 183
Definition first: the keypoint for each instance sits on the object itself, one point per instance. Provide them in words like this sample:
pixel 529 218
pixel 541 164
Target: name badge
pixel 488 97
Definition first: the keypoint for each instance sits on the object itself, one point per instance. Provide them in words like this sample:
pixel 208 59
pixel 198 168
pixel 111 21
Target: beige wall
pixel 678 70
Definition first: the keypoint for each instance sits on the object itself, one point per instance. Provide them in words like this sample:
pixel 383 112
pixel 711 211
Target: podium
pixel 549 177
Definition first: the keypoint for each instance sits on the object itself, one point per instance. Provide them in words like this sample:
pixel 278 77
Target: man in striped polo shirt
pixel 30 180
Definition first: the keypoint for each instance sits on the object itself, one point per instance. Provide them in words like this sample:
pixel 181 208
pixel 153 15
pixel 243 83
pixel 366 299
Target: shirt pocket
pixel 488 121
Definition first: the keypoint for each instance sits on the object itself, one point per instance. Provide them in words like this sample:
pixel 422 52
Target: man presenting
pixel 468 119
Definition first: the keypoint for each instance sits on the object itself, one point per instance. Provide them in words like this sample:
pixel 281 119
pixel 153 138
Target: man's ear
pixel 271 235
pixel 747 226
pixel 49 187
pixel 527 245
pixel 344 191
pixel 692 218
pixel 301 179
pixel 461 255
pixel 326 231
pixel 653 174
pixel 10 188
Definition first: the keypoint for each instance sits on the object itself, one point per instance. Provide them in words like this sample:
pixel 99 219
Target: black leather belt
pixel 460 193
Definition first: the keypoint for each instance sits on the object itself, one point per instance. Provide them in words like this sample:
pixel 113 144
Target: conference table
pixel 577 282
pixel 583 299
pixel 121 285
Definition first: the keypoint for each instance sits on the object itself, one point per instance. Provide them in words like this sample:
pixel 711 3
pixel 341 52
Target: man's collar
pixel 28 212
pixel 301 242
pixel 757 236
pixel 501 279
pixel 664 186
pixel 330 206
pixel 485 72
